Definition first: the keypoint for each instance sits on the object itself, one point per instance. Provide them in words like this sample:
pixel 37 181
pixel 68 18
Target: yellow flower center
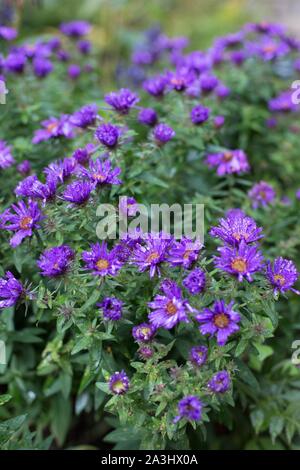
pixel 25 222
pixel 279 278
pixel 171 308
pixel 221 320
pixel 239 265
pixel 51 127
pixel 102 264
pixel 152 257
pixel 99 177
pixel 145 331
pixel 118 386
pixel 227 156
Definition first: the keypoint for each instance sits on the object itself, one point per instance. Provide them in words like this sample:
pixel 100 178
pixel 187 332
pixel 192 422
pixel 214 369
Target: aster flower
pixel 147 116
pixel 119 383
pixel 84 46
pixel 83 155
pixel 220 382
pixel 42 67
pixel 101 172
pixel 101 261
pixel 85 116
pixel 269 48
pixel 122 100
pixel 11 290
pixel 195 281
pixel 75 28
pixel 199 114
pixel 33 188
pixel 128 206
pixel 261 194
pixel 24 167
pixel 222 91
pixel 219 121
pixel 6 158
pixel 220 321
pixel 145 352
pixel 55 261
pixel 74 70
pixel 22 221
pixel 108 135
pixel 242 261
pixel 236 227
pixel 61 170
pixel 78 192
pixel 228 162
pixel 111 308
pixel 190 408
pixel 156 86
pixel 198 355
pixel 282 274
pixel 151 254
pixel 53 128
pixel 170 308
pixel 180 79
pixel 283 103
pixel 143 332
pixel 163 133
pixel 15 62
pixel 208 82
pixel 184 253
pixel 7 33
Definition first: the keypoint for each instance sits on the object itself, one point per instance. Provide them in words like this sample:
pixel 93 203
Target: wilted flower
pixel 282 274
pixel 195 281
pixel 22 221
pixel 198 355
pixel 220 321
pixel 262 194
pixel 101 261
pixel 230 161
pixel 122 100
pixel 55 261
pixel 189 407
pixel 143 332
pixel 111 307
pixel 220 382
pixel 241 261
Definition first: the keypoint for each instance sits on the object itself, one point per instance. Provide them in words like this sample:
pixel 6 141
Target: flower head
pixel 143 332
pixel 22 221
pixel 101 261
pixel 184 252
pixel 55 261
pixel 156 86
pixel 147 116
pixel 220 320
pixel 101 172
pixel 282 274
pixel 241 261
pixel 11 290
pixel 237 227
pixel 119 383
pixel 108 135
pixel 61 170
pixel 220 382
pixel 78 192
pixel 195 281
pixel 122 100
pixel 230 161
pixel 150 254
pixel 85 116
pixel 24 167
pixel 198 355
pixel 53 128
pixel 42 67
pixel 74 70
pixel 6 158
pixel 199 114
pixel 262 194
pixel 76 28
pixel 163 133
pixel 111 308
pixel 189 407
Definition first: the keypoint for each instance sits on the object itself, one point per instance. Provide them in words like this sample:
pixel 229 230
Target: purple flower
pixel 282 274
pixel 195 281
pixel 101 261
pixel 199 114
pixel 61 170
pixel 184 252
pixel 151 254
pixel 241 261
pixel 42 67
pixel 220 321
pixel 53 128
pixel 189 407
pixel 108 135
pixel 24 167
pixel 76 28
pixel 119 383
pixel 222 91
pixel 163 133
pixel 84 46
pixel 219 121
pixel 220 382
pixel 170 308
pixel 282 103
pixel 180 79
pixel 236 227
pixel 83 155
pixel 111 307
pixel 198 355
pixel 15 62
pixel 122 100
pixel 32 187
pixel 298 194
pixel 269 48
pixel 11 290
pixel 22 221
pixel 101 172
pixel 55 261
pixel 78 192
pixel 228 162
pixel 85 116
pixel 145 352
pixel 147 116
pixel 208 82
pixel 128 206
pixel 74 71
pixel 6 158
pixel 261 194
pixel 7 33
pixel 156 86
pixel 143 332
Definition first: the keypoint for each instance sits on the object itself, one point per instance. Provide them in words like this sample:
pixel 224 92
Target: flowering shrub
pixel 169 339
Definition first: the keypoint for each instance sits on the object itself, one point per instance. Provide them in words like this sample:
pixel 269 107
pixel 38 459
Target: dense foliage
pixel 148 341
